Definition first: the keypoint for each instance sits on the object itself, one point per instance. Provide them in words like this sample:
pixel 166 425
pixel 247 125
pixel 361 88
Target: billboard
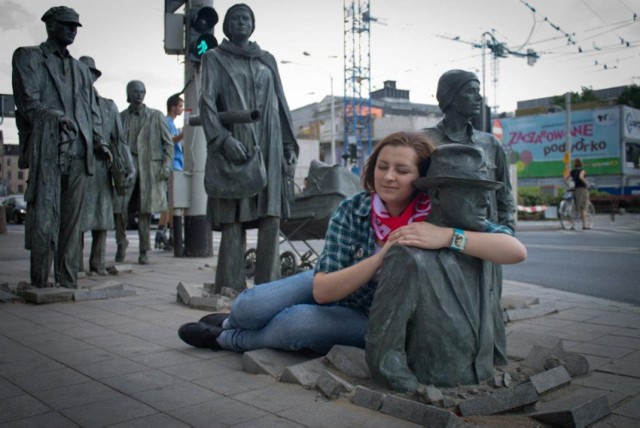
pixel 537 143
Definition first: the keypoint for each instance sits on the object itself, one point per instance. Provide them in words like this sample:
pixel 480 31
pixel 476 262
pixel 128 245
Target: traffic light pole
pixel 198 239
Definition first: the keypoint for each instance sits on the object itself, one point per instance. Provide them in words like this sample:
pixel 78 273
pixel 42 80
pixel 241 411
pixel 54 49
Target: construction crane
pixel 498 50
pixel 357 81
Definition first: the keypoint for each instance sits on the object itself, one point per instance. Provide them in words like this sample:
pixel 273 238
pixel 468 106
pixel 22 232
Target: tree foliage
pixel 587 94
pixel 630 96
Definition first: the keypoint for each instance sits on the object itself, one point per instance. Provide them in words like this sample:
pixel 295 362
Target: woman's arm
pixel 333 286
pixel 494 247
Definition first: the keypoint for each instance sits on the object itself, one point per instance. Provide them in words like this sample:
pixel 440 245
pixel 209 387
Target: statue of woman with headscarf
pixel 239 76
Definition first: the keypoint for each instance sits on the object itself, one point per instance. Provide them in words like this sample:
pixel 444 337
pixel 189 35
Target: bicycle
pixel 569 215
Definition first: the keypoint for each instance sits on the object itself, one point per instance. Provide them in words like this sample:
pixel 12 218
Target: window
pixel 8 161
pixel 20 175
pixel 632 155
pixel 8 175
pixel 20 188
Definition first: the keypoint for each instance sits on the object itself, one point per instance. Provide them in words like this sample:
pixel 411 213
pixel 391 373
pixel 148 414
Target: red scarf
pixel 382 222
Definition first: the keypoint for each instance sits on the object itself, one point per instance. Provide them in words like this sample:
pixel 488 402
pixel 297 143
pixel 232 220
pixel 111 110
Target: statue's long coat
pixel 155 154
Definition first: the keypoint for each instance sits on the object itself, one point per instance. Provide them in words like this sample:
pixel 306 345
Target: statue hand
pixel 67 124
pixel 166 172
pixel 233 151
pixel 291 157
pixel 105 154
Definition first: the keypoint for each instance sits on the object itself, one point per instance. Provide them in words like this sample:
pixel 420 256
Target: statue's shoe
pixel 214 319
pixel 200 335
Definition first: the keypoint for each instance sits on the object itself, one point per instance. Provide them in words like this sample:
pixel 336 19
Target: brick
pixel 207 303
pixel 350 361
pixel 550 379
pixel 430 393
pixel 419 413
pixel 120 268
pixel 8 297
pixel 368 398
pixel 536 311
pixel 520 343
pixel 513 301
pixel 186 291
pixel 577 410
pixel 47 295
pixel 501 401
pixel 305 374
pixel 542 358
pixel 270 361
pixel 331 385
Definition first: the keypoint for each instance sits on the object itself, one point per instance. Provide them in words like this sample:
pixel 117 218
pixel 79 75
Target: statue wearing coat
pixel 239 76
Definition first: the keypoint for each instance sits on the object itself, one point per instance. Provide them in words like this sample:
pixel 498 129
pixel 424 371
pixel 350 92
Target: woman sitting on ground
pixel 329 306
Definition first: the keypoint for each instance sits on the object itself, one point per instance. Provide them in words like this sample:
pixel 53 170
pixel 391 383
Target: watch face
pixel 458 240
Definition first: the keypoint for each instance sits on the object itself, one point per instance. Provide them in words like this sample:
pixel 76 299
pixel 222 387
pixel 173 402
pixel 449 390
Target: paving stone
pixel 105 290
pixel 622 367
pixel 512 301
pixel 365 397
pixel 500 401
pixel 550 379
pixel 630 408
pixel 520 343
pixel 120 268
pixel 577 410
pixel 7 297
pixel 47 295
pixel 536 311
pixel 305 374
pixel 350 361
pixel 186 291
pixel 542 358
pixel 419 413
pixel 430 393
pixel 332 385
pixel 270 361
pixel 215 303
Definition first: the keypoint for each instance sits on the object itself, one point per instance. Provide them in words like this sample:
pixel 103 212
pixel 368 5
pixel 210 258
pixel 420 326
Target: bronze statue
pixel 458 95
pixel 59 131
pixel 147 133
pixel 98 204
pixel 249 170
pixel 431 320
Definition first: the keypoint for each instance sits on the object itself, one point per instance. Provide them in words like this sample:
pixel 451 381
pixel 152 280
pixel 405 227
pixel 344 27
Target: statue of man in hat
pixel 458 95
pixel 149 138
pixel 59 134
pixel 237 76
pixel 431 322
pixel 102 187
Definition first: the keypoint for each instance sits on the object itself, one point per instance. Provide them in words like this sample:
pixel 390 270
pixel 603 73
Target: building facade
pixel 13 180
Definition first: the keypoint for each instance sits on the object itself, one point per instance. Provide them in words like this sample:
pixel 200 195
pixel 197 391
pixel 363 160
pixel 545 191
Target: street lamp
pixel 333 111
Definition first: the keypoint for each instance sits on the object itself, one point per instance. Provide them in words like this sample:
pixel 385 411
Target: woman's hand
pixel 422 235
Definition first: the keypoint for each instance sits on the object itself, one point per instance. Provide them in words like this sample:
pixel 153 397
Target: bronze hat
pixel 457 164
pixel 91 63
pixel 62 14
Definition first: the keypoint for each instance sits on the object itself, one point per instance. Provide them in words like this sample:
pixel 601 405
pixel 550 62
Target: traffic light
pixel 201 39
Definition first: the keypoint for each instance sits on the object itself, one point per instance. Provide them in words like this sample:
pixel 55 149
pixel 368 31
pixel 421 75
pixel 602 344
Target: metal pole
pixel 198 238
pixel 567 143
pixel 334 158
pixel 483 116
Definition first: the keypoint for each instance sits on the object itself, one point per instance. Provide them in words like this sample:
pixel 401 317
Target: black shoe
pixel 214 319
pixel 200 335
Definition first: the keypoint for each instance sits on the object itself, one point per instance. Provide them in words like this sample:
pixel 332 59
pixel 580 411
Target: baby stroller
pixel 326 186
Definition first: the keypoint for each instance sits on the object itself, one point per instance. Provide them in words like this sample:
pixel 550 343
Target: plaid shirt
pixel 350 239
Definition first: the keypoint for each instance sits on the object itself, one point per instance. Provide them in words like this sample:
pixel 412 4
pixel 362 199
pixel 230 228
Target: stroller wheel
pixel 287 264
pixel 250 262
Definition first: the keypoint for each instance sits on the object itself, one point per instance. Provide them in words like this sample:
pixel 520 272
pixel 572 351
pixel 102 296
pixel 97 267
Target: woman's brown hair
pixel 577 163
pixel 416 140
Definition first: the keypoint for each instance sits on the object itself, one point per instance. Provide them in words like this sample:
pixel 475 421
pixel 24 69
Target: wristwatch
pixel 459 240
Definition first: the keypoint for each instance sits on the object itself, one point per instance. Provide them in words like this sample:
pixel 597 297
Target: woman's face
pixel 240 24
pixel 395 170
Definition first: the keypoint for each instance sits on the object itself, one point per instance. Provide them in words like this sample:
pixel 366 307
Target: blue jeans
pixel 283 315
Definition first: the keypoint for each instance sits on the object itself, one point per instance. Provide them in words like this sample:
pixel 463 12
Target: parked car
pixel 15 208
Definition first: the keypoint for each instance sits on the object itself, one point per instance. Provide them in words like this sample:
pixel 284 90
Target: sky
pixel 411 42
